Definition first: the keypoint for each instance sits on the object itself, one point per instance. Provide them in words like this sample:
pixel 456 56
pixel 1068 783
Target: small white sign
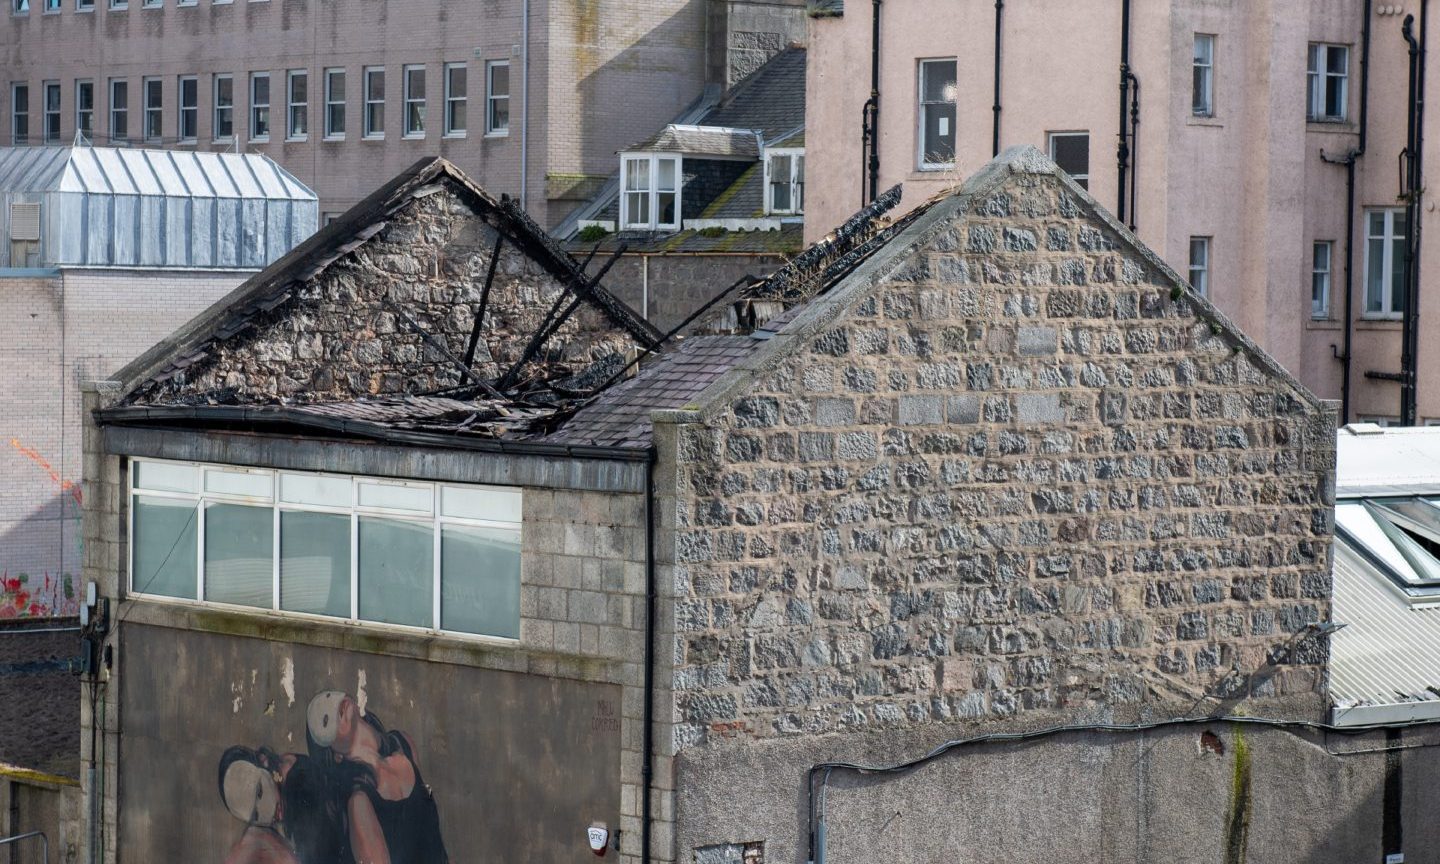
pixel 1395 858
pixel 598 836
pixel 944 126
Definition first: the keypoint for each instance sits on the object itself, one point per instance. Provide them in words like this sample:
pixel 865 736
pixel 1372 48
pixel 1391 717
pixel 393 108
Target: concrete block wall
pixel 1015 473
pixel 671 287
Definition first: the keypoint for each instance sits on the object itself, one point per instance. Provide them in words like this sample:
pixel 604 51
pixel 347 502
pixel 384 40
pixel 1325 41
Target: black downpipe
pixel 1122 153
pixel 1349 160
pixel 995 132
pixel 647 763
pixel 1134 149
pixel 1414 183
pixel 870 121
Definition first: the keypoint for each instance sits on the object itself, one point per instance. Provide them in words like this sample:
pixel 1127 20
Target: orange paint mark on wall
pixel 65 485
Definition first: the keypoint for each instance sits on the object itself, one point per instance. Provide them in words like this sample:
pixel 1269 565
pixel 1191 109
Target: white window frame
pixel 152 4
pixel 796 181
pixel 412 126
pixel 84 5
pixel 119 5
pixel 1050 146
pixel 1390 308
pixel 291 105
pixel 20 7
pixel 83 124
pixel 19 117
pixel 1200 266
pixel 435 516
pixel 651 192
pixel 52 7
pixel 1202 81
pixel 451 100
pixel 1321 278
pixel 47 116
pixel 179 3
pixel 1318 77
pixel 329 133
pixel 218 110
pixel 147 110
pixel 122 112
pixel 367 100
pixel 922 160
pixel 492 99
pixel 257 119
pixel 182 110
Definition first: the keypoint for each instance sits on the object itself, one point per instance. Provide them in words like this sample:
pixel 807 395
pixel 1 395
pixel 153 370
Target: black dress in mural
pixel 356 797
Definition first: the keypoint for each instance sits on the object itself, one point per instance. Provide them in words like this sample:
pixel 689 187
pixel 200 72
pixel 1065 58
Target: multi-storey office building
pixel 1239 119
pixel 534 99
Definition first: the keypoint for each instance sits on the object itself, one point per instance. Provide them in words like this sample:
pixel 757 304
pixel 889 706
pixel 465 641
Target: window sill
pixel 1322 324
pixel 419 136
pixel 1210 121
pixel 454 136
pixel 504 134
pixel 296 139
pixel 1377 322
pixel 934 169
pixel 1334 127
pixel 331 139
pixel 265 140
pixel 372 138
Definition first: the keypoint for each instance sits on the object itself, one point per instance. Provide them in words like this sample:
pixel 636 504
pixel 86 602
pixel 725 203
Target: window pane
pixel 239 543
pixel 1374 274
pixel 665 208
pixel 1397 272
pixel 1204 48
pixel 315 489
pixel 1072 153
pixel 164 554
pixel 480 580
pixel 940 81
pixel 315 563
pixel 499 505
pixel 420 499
pixel 457 82
pixel 239 483
pixel 166 477
pixel 397 571
pixel 665 174
pixel 637 174
pixel 500 79
pixel 457 116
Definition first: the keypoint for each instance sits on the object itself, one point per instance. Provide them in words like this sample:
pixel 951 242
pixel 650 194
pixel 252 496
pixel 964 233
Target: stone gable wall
pixel 334 340
pixel 1021 475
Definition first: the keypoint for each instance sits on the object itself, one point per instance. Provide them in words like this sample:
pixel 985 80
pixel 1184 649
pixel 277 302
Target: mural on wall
pixel 241 747
pixel 357 795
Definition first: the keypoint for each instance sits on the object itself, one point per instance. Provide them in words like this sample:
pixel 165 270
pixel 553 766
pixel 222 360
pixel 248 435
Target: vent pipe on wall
pixel 870 121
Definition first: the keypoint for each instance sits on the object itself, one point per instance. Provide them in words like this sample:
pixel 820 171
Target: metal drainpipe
pixel 1415 143
pixel 1122 152
pixel 870 124
pixel 1349 161
pixel 647 763
pixel 995 132
pixel 524 103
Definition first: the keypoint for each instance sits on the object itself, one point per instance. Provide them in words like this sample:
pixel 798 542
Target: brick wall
pixel 55 332
pixel 1011 469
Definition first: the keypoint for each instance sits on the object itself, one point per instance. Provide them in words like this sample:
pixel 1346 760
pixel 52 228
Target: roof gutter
pixel 142 415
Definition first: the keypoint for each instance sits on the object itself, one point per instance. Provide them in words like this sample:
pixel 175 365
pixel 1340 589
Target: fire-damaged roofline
pixel 270 288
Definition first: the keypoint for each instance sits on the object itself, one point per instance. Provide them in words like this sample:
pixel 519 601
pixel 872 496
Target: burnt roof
pixel 351 230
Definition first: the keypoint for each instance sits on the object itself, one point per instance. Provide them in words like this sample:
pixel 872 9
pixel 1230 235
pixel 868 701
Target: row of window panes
pixel 1327 78
pixel 651 183
pixel 296 105
pixel 434 556
pixel 22 7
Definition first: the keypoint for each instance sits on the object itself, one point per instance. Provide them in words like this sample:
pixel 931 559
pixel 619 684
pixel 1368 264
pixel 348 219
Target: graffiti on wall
pixel 355 795
pixel 47 595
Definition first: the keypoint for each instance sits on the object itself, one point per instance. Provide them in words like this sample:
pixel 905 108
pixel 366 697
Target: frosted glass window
pixel 250 484
pixel 495 505
pixel 397 571
pixel 480 580
pixel 419 499
pixel 163 555
pixel 315 489
pixel 165 477
pixel 315 562
pixel 239 543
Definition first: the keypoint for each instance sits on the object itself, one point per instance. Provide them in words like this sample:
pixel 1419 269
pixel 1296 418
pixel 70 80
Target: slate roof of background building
pixel 703 141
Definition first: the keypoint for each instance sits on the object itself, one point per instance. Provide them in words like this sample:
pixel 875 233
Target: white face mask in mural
pixel 323 716
pixel 250 793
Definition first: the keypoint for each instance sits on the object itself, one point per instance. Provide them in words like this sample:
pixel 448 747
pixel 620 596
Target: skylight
pixel 1400 536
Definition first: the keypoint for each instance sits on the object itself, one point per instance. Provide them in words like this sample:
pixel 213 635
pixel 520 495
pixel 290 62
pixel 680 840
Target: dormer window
pixel 650 198
pixel 785 181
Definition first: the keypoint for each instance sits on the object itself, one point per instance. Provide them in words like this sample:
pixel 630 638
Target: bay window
pixel 436 556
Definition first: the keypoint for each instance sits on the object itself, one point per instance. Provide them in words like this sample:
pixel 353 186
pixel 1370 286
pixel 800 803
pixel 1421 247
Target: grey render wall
pixel 1009 473
pixel 55 332
pixel 582 612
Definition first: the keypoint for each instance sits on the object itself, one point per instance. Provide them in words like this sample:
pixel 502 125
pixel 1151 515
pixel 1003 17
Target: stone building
pixel 984 498
pixel 1256 147
pixel 531 98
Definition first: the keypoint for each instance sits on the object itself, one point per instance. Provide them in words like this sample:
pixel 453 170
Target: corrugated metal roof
pixel 1370 460
pixel 121 171
pixel 1388 654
